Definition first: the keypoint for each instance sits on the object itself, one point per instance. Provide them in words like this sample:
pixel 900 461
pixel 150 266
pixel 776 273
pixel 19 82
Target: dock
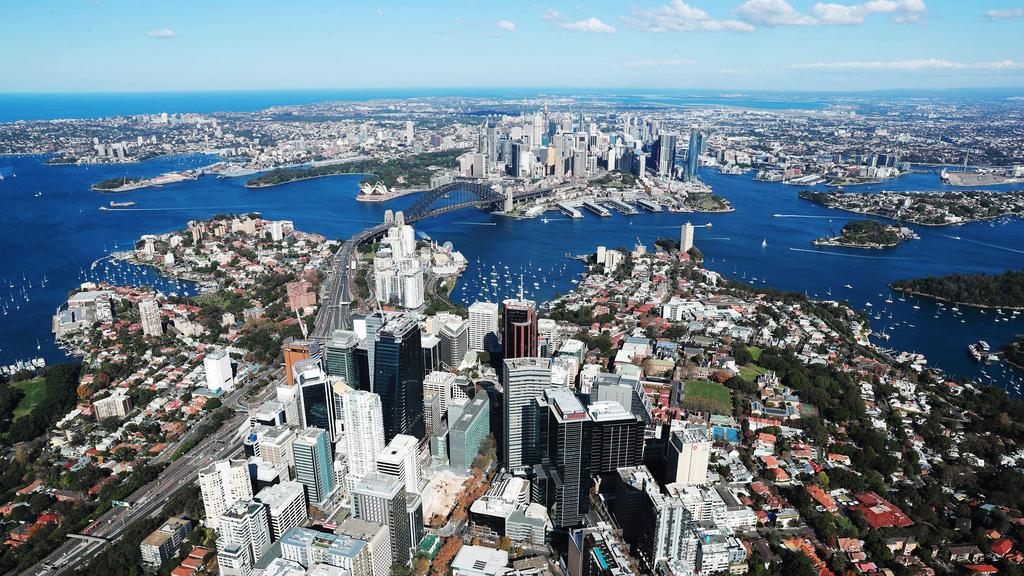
pixel 569 211
pixel 622 207
pixel 596 208
pixel 649 205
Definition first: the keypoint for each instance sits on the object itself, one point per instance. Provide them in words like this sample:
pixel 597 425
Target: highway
pixel 149 500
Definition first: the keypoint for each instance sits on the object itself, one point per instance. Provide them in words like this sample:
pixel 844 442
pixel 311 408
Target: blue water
pixel 62 232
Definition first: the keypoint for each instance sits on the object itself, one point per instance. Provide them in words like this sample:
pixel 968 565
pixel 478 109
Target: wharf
pixel 569 211
pixel 621 206
pixel 649 205
pixel 596 208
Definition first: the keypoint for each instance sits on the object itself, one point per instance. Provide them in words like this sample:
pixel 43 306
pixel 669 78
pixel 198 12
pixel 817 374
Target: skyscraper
pixel 398 376
pixel 313 464
pixel 286 506
pixel 688 453
pixel 296 351
pixel 664 154
pixel 340 356
pixel 564 438
pixel 381 498
pixel 400 458
pixel 149 313
pixel 686 237
pixel 617 438
pixel 523 380
pixel 364 433
pixel 316 399
pixel 467 433
pixel 454 336
pixel 222 484
pixel 483 325
pixel 519 328
pixel 219 376
pixel 693 153
pixel 246 525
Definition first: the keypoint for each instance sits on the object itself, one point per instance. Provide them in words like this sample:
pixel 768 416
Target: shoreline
pixel 915 222
pixel 941 299
pixel 272 184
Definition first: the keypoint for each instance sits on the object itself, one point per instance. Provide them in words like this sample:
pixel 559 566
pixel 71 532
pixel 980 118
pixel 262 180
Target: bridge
pixel 335 313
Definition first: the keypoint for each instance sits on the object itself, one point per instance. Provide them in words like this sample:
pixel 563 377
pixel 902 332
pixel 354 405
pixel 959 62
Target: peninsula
pixel 925 208
pixel 979 290
pixel 402 172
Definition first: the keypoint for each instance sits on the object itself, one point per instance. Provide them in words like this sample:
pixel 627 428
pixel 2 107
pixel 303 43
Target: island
pixel 1004 290
pixel 868 234
pixel 403 172
pixel 925 208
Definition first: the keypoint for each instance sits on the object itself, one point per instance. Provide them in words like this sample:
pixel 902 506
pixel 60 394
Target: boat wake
pixel 1008 249
pixel 800 216
pixel 841 254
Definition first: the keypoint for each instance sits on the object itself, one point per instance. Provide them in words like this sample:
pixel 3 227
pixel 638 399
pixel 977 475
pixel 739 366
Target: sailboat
pixel 764 243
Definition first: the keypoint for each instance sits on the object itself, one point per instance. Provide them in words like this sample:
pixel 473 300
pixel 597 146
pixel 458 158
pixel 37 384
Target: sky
pixel 785 45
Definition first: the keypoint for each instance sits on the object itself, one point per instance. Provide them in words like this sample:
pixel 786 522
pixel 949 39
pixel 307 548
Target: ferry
pixel 121 204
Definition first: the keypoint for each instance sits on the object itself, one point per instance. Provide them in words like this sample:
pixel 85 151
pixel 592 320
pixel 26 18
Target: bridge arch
pixel 452 196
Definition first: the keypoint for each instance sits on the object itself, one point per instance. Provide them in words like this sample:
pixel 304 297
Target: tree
pixel 741 354
pixel 212 404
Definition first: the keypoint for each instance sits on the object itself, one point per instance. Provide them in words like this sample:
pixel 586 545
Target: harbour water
pixel 61 232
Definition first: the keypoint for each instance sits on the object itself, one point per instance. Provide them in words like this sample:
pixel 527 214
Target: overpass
pixel 335 313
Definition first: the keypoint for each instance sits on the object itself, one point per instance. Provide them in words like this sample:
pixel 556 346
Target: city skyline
pixel 655 44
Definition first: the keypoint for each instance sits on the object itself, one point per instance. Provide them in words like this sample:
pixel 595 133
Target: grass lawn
pixel 706 395
pixel 750 373
pixel 755 352
pixel 35 391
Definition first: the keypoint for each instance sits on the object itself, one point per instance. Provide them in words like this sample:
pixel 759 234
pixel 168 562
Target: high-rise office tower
pixel 286 507
pixel 693 153
pixel 664 154
pixel 400 458
pixel 313 464
pixel 519 328
pixel 617 438
pixel 364 433
pixel 523 380
pixel 378 538
pixel 316 398
pixel 340 356
pixel 219 375
pixel 454 336
pixel 273 445
pixel 398 376
pixel 656 524
pixel 381 498
pixel 246 525
pixel 296 351
pixel 564 438
pixel 686 237
pixel 689 450
pixel 149 312
pixel 223 483
pixel 467 432
pixel 483 325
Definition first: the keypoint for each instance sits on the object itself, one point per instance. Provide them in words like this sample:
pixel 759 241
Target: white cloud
pixel 551 15
pixel 660 63
pixel 162 34
pixel 1008 14
pixel 506 25
pixel 588 25
pixel 678 16
pixel 774 13
pixel 913 65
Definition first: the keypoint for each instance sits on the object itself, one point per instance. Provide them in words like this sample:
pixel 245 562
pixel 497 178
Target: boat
pixel 764 243
pixel 848 286
pixel 978 350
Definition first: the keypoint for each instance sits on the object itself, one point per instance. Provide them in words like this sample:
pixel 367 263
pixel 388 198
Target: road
pixel 149 500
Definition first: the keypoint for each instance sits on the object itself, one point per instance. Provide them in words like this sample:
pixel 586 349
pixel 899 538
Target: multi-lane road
pixel 149 500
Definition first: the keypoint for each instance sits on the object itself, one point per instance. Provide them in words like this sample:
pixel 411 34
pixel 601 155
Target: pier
pixel 649 205
pixel 596 208
pixel 621 206
pixel 569 211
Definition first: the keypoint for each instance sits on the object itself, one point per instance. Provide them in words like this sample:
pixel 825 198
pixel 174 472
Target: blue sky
pixel 145 45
